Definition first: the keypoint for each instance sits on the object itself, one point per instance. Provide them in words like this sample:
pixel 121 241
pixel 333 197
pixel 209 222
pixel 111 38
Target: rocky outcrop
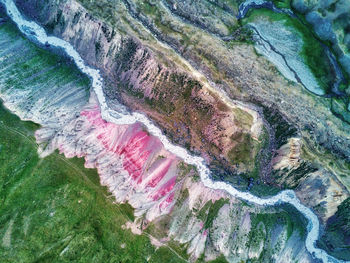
pixel 314 185
pixel 131 163
pixel 184 108
pixel 230 66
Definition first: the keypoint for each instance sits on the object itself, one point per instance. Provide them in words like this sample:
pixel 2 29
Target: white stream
pixel 38 34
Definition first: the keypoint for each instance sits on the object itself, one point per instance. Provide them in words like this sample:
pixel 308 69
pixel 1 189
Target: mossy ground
pixel 282 3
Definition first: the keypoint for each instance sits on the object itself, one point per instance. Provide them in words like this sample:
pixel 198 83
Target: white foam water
pixel 37 34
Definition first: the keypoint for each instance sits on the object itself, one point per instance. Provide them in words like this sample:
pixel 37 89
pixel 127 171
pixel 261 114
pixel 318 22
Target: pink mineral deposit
pixel 138 150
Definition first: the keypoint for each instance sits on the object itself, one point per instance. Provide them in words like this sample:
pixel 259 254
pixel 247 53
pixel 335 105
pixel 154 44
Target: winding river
pixel 37 34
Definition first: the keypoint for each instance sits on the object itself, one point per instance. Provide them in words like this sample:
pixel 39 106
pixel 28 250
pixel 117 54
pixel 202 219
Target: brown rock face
pixel 145 79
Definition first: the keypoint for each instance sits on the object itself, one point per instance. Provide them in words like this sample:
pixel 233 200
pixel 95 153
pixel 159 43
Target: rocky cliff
pixel 145 79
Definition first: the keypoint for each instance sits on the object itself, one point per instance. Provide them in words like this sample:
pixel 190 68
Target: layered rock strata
pixel 136 168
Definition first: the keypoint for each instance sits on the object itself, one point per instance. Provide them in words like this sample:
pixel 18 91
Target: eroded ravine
pixel 37 34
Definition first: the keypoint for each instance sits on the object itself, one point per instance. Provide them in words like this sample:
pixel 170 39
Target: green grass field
pixel 54 210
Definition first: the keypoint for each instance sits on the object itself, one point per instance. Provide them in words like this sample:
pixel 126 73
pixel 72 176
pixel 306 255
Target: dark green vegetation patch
pixel 336 238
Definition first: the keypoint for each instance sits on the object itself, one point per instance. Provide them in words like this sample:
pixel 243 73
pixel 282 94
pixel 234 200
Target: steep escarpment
pixel 228 65
pixel 172 207
pixel 146 80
